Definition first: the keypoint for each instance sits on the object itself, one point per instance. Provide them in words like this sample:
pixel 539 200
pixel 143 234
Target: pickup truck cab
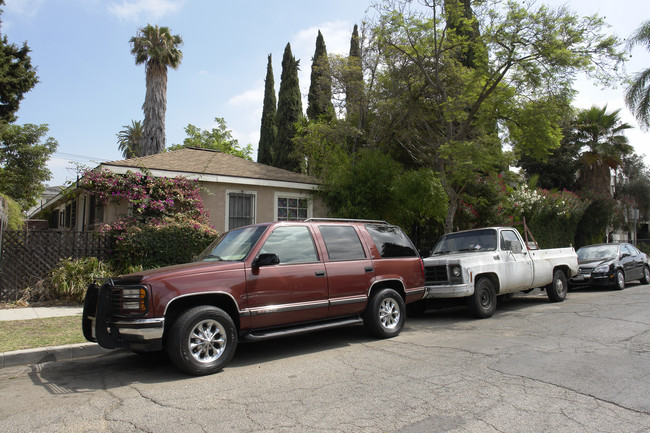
pixel 258 282
pixel 482 264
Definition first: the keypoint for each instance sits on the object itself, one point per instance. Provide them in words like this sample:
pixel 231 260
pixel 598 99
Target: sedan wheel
pixel 620 280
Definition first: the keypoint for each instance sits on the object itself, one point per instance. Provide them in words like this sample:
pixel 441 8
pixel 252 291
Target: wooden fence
pixel 27 256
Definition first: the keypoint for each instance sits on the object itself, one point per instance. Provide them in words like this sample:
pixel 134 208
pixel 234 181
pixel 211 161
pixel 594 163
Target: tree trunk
pixel 154 107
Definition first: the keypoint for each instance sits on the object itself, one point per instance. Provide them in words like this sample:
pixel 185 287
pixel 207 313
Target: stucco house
pixel 236 191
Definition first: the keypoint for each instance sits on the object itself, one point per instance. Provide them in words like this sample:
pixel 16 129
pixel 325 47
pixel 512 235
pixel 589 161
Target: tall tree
pixel 443 113
pixel 17 76
pixel 24 151
pixel 603 136
pixel 319 100
pixel 354 84
pixel 289 113
pixel 268 129
pixel 219 138
pixel 128 139
pixel 158 49
pixel 637 96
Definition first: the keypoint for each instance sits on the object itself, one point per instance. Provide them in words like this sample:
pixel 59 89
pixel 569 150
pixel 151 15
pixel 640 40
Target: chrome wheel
pixel 383 316
pixel 207 341
pixel 389 313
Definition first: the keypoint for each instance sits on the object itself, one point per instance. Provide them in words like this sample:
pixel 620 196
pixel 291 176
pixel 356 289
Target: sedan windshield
pixel 598 252
pixel 233 245
pixel 475 240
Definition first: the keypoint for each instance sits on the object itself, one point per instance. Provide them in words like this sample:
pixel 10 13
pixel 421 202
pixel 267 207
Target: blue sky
pixel 90 86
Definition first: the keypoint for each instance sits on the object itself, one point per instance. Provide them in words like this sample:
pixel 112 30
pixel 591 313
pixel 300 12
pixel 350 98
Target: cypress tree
pixel 354 87
pixel 268 129
pixel 289 112
pixel 320 90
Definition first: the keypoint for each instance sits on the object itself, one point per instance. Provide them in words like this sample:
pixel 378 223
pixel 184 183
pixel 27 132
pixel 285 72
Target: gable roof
pixel 209 165
pixel 205 165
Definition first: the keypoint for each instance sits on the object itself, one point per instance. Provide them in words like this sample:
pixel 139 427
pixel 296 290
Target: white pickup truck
pixel 482 264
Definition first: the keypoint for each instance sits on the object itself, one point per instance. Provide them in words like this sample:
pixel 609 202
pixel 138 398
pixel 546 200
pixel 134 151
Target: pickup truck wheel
pixel 557 290
pixel 202 341
pixel 646 275
pixel 620 280
pixel 484 300
pixel 385 314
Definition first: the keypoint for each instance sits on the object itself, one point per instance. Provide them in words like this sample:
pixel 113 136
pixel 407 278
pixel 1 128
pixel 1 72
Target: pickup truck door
pixel 517 262
pixel 350 270
pixel 295 290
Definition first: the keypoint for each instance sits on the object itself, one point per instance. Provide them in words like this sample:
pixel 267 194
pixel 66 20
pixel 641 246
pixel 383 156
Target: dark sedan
pixel 611 265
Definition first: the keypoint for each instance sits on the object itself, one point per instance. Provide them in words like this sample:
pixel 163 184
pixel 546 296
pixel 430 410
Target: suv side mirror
pixel 266 259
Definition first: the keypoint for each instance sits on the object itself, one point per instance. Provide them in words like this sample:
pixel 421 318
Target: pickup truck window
pixel 292 244
pixel 233 245
pixel 475 240
pixel 342 243
pixel 508 239
pixel 391 241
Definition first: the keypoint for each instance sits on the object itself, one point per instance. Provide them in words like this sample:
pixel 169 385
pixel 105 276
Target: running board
pixel 300 329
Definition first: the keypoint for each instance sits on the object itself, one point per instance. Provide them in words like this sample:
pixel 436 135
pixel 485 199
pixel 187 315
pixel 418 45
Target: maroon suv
pixel 257 282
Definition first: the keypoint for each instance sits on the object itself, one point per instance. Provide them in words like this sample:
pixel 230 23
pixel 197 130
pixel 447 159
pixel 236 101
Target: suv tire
pixel 385 314
pixel 202 341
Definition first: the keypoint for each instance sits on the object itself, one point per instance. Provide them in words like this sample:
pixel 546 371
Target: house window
pixel 241 209
pixel 292 208
pixel 96 211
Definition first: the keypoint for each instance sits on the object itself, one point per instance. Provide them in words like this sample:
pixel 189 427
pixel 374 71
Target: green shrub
pixel 71 277
pixel 165 242
pixel 552 216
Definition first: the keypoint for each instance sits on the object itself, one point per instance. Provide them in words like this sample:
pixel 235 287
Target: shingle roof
pixel 211 162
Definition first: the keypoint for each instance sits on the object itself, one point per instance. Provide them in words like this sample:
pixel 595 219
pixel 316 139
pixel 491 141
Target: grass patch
pixel 29 334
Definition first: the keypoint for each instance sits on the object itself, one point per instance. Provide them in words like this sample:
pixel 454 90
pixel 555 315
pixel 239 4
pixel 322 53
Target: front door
pixel 295 290
pixel 518 265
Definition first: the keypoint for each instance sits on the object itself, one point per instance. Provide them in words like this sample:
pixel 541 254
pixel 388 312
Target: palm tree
pixel 637 96
pixel 128 139
pixel 603 135
pixel 157 48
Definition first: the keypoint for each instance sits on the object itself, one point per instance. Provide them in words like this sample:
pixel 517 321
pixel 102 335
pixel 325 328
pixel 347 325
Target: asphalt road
pixel 578 366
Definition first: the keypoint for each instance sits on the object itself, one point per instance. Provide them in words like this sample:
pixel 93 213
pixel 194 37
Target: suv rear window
pixel 391 241
pixel 342 243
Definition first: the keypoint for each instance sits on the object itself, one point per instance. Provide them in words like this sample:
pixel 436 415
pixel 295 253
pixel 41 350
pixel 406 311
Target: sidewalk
pixel 47 354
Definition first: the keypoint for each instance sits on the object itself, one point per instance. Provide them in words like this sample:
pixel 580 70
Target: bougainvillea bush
pixel 167 222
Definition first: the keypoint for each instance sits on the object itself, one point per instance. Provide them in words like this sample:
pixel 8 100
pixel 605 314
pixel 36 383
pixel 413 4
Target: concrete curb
pixel 40 355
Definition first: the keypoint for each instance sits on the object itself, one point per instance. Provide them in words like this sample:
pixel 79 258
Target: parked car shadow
pixel 121 367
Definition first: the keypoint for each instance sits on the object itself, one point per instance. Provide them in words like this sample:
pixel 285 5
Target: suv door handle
pixel 320 273
pixel 369 269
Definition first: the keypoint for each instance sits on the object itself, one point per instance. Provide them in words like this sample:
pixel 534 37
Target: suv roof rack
pixel 346 220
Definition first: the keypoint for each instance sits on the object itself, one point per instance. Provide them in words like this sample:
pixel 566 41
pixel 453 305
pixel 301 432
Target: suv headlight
pixel 131 300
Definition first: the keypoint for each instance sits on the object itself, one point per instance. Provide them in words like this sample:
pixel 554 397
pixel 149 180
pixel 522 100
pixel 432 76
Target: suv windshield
pixel 233 245
pixel 475 240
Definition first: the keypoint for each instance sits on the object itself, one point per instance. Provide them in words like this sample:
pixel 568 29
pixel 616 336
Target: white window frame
pixel 239 191
pixel 277 195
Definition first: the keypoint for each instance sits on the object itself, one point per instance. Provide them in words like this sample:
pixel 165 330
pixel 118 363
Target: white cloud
pixel 133 10
pixel 251 97
pixel 23 7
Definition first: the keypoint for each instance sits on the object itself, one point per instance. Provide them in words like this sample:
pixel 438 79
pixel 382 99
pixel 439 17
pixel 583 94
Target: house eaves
pixel 213 178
